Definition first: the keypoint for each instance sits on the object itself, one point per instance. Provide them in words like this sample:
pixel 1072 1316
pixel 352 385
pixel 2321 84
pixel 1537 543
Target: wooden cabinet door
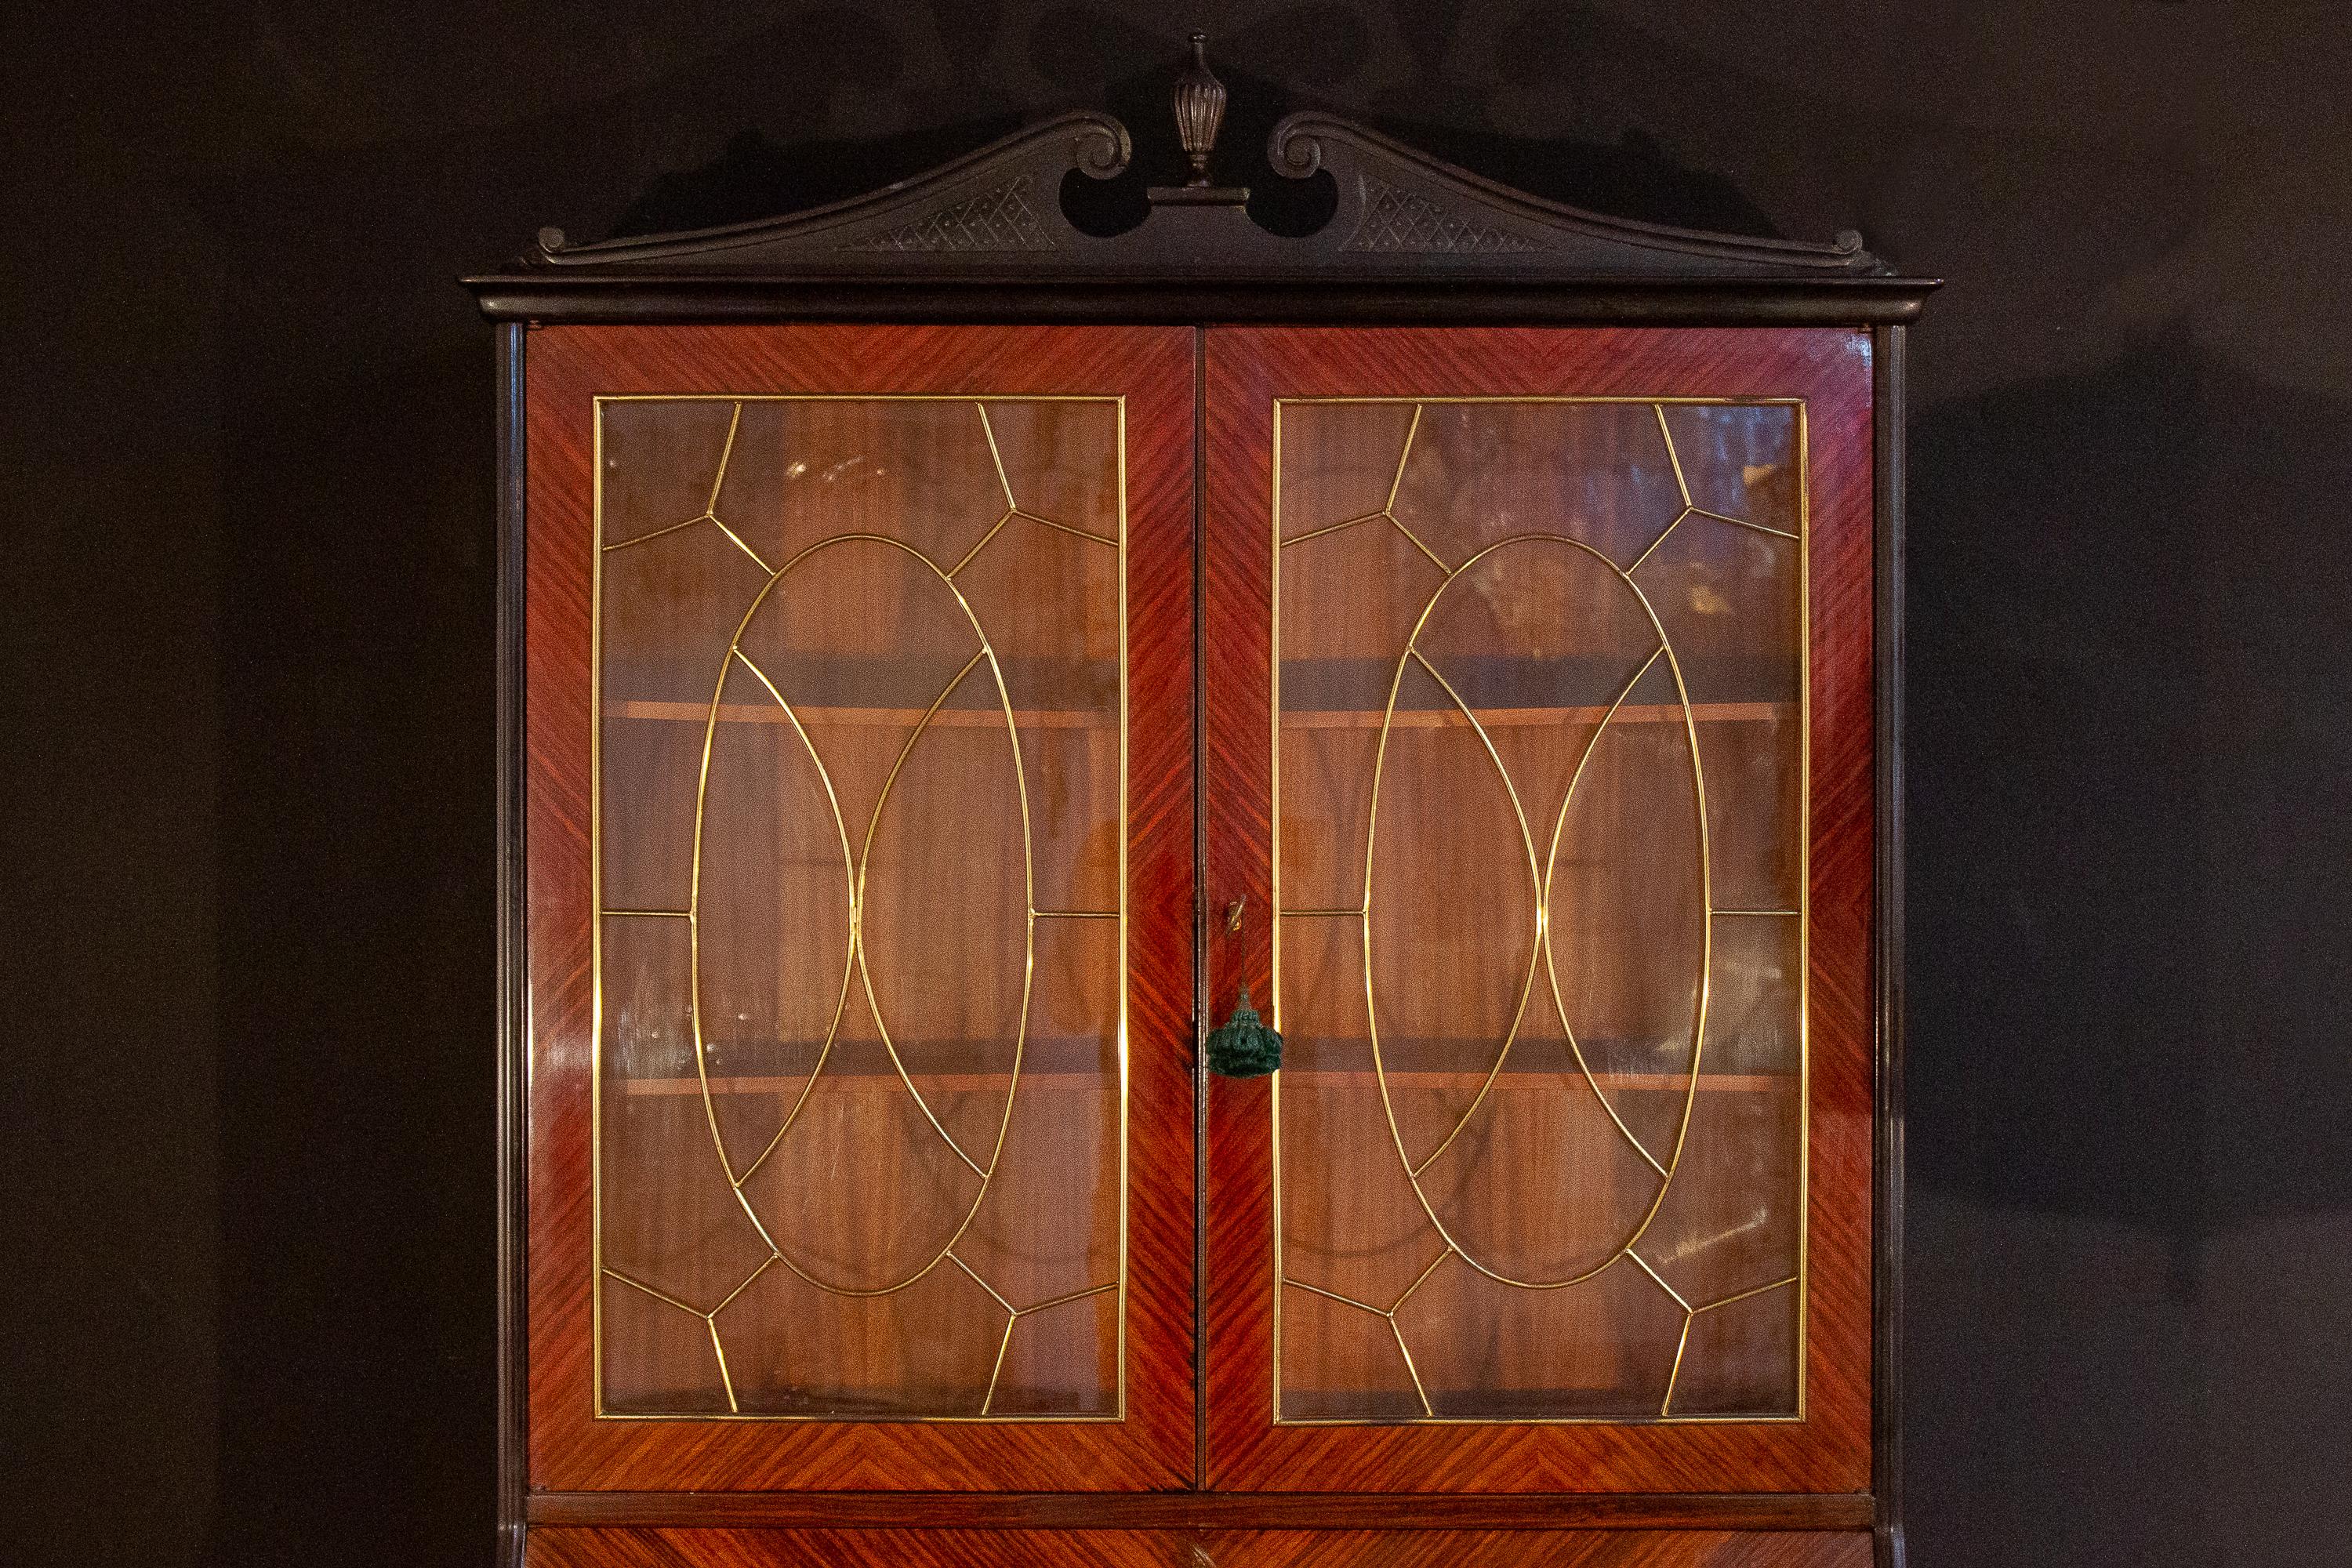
pixel 860 863
pixel 1539 716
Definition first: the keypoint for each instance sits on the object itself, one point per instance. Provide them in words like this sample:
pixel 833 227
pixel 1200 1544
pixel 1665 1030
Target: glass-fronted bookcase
pixel 971 684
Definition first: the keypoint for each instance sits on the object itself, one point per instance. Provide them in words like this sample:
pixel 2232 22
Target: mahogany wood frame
pixel 1582 270
pixel 566 1445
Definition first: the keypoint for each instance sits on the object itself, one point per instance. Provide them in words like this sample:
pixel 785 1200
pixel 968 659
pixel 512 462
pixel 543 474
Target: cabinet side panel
pixel 513 1040
pixel 1889 364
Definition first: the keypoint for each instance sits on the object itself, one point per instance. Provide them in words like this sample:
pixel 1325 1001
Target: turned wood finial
pixel 1200 108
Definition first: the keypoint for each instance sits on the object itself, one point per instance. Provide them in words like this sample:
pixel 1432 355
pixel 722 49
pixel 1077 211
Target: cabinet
pixel 951 655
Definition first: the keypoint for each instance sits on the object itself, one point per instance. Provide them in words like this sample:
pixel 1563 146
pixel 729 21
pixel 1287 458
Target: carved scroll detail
pixel 1401 215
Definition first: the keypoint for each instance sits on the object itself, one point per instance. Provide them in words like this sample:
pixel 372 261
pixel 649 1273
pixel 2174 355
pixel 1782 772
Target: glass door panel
pixel 861 846
pixel 860 833
pixel 1550 637
pixel 1540 846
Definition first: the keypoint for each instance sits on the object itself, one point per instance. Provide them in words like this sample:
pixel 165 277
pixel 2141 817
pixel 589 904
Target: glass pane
pixel 860 847
pixel 1540 860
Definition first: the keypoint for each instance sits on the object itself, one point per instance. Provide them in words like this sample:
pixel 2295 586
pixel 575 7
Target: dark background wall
pixel 246 589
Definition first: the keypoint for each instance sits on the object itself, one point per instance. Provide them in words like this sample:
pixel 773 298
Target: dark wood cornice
pixel 1410 239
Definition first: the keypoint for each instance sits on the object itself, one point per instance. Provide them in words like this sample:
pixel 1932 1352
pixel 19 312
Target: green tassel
pixel 1243 1047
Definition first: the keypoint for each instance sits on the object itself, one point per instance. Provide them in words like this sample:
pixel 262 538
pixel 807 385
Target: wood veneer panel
pixel 695 1548
pixel 568 1446
pixel 1205 1510
pixel 705 1548
pixel 1547 1549
pixel 1829 1449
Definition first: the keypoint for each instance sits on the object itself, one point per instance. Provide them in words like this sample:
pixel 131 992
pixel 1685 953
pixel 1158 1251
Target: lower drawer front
pixel 607 1547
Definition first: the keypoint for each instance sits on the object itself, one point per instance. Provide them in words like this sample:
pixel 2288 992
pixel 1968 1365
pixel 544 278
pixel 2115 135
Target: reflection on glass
pixel 860 848
pixel 1541 857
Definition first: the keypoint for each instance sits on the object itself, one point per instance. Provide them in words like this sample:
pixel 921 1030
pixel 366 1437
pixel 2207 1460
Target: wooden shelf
pixel 816 718
pixel 1094 1080
pixel 1510 1080
pixel 1516 718
pixel 1292 719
